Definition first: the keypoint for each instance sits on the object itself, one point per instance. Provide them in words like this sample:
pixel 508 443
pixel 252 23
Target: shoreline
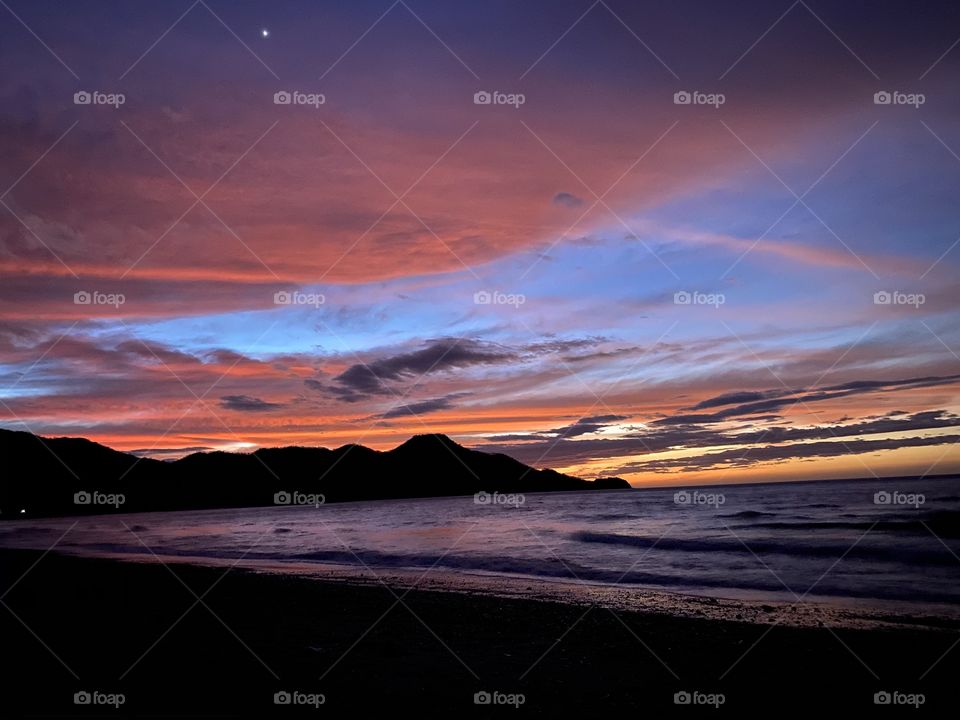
pixel 137 628
pixel 802 612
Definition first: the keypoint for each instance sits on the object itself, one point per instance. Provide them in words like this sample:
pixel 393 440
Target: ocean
pixel 889 546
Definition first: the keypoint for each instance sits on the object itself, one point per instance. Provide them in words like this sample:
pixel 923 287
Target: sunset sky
pixel 587 214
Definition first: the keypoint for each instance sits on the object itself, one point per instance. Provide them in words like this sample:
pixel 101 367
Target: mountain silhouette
pixel 74 476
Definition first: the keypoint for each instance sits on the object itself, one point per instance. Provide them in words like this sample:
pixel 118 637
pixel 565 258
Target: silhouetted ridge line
pixel 69 476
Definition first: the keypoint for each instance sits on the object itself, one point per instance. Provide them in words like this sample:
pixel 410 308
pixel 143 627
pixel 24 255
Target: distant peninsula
pixel 75 476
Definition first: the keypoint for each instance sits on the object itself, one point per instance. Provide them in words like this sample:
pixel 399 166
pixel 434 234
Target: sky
pixel 677 242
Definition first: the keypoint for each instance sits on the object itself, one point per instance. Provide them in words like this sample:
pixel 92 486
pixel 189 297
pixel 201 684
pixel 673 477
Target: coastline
pixel 776 609
pixel 138 628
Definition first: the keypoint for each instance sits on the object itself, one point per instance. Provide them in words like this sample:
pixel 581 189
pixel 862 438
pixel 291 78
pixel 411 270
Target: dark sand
pixel 109 622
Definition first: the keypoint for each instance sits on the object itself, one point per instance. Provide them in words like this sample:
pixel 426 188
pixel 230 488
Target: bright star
pixel 264 32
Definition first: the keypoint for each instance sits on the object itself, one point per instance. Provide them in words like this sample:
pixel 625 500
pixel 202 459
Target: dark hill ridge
pixel 43 475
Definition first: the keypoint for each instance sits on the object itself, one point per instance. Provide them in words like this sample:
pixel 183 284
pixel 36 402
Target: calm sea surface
pixel 830 541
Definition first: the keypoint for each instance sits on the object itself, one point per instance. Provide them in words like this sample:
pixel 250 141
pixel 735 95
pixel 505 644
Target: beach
pixel 182 640
pixel 450 359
